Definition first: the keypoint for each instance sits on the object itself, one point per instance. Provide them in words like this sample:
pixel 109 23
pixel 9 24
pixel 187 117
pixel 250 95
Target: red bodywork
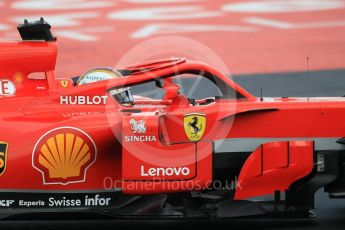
pixel 287 129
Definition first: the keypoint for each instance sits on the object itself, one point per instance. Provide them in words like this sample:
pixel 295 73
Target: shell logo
pixel 63 155
pixel 18 77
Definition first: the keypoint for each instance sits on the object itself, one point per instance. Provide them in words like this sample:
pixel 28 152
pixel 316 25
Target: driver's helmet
pixel 122 95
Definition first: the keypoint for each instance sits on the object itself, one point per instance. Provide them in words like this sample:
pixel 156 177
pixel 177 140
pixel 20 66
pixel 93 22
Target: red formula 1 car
pixel 172 138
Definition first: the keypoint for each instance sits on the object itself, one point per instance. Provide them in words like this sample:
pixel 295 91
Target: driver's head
pixel 122 95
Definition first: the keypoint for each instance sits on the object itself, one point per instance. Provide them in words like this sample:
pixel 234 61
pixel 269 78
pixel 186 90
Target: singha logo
pixel 138 126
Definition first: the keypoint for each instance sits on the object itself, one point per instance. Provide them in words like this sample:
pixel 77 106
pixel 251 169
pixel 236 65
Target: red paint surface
pixel 263 174
pixel 107 126
pixel 264 50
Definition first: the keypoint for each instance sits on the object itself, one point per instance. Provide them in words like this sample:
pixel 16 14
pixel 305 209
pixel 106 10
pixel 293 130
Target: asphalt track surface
pixel 324 83
pixel 272 44
pixel 329 213
pixel 249 36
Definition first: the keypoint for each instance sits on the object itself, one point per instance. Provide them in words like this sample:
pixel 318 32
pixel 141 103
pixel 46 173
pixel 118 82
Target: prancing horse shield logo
pixel 64 83
pixel 194 126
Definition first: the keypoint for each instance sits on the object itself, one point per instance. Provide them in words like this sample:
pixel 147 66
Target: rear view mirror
pixel 159 83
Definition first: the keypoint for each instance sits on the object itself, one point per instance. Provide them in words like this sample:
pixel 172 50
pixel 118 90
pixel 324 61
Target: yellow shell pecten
pixel 64 155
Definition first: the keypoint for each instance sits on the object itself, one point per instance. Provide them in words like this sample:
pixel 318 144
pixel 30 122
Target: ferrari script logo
pixel 63 155
pixel 3 156
pixel 194 126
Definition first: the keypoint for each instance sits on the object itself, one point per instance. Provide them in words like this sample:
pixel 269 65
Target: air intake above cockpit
pixel 37 30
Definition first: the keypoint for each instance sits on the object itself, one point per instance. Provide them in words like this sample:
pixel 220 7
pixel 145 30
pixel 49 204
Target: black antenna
pixel 308 66
pixel 261 98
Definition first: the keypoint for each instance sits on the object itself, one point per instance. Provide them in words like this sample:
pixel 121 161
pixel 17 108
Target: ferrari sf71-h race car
pixel 171 138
